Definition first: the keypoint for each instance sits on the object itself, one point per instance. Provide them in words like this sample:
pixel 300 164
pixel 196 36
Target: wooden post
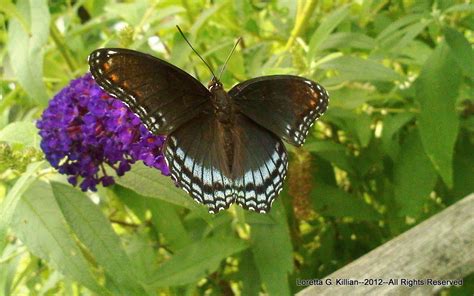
pixel 440 248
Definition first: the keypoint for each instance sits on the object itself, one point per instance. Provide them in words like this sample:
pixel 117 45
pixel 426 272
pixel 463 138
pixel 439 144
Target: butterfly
pixel 221 147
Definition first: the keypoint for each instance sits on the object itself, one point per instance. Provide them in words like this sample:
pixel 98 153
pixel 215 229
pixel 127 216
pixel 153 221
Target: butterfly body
pixel 221 102
pixel 221 147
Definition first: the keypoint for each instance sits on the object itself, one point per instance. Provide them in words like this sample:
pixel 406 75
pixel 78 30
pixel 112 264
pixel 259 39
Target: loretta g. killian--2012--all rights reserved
pixel 379 282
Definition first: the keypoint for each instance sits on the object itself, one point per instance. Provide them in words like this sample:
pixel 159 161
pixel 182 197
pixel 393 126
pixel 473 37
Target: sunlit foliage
pixel 394 148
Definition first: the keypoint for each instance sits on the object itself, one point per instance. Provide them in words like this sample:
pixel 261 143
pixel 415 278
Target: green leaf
pixel 463 169
pixel 348 39
pixel 350 98
pixel 391 125
pixel 150 182
pixel 236 66
pixel 21 132
pixel 8 269
pixel 414 177
pixel 132 12
pixel 134 201
pixel 26 48
pixel 53 280
pixel 10 9
pixel 143 254
pixel 250 279
pixel 436 91
pixel 39 224
pixel 356 123
pixel 461 50
pixel 161 14
pixel 255 58
pixel 274 262
pixel 332 201
pixel 332 152
pixel 95 232
pixel 396 26
pixel 205 15
pixel 358 69
pixel 163 215
pixel 362 128
pixel 9 204
pixel 195 261
pixel 321 146
pixel 394 123
pixel 415 53
pixel 181 51
pixel 402 38
pixel 325 28
pixel 465 7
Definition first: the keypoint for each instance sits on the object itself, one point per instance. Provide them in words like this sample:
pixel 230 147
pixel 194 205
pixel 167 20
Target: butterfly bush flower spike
pixel 83 129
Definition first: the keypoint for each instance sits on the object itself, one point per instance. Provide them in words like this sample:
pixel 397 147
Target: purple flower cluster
pixel 84 128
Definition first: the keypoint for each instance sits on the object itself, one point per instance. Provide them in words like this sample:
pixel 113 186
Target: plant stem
pixel 395 110
pixel 56 36
pixel 148 13
pixel 301 21
pixel 188 10
pixel 123 223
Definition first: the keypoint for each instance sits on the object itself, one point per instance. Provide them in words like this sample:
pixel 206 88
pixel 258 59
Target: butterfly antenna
pixel 228 57
pixel 185 39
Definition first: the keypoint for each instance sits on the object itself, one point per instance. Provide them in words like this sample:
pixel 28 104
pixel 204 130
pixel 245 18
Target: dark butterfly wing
pixel 198 163
pixel 286 105
pixel 162 95
pixel 259 166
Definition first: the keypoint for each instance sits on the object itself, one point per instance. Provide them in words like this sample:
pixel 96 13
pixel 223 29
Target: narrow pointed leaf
pixel 26 48
pixel 8 206
pixel 96 233
pixel 461 49
pixel 191 263
pixel 325 29
pixel 150 182
pixel 414 177
pixel 39 224
pixel 274 262
pixel 21 132
pixel 436 91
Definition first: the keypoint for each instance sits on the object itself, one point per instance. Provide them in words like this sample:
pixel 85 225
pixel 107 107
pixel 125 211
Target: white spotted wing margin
pixel 284 104
pixel 259 167
pixel 198 164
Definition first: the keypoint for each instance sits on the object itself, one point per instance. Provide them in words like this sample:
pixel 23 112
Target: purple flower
pixel 84 128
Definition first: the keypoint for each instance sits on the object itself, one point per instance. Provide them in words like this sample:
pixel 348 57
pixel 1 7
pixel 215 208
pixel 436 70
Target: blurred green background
pixel 394 148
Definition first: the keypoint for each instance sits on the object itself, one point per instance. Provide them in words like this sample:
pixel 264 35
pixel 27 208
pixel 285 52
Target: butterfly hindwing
pixel 162 95
pixel 284 104
pixel 259 166
pixel 198 163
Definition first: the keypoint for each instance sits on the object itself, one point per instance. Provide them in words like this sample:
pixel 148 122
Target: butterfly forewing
pixel 198 162
pixel 286 105
pixel 162 95
pixel 259 166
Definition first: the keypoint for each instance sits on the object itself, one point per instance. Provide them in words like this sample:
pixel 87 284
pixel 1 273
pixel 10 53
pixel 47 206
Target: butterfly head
pixel 214 85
